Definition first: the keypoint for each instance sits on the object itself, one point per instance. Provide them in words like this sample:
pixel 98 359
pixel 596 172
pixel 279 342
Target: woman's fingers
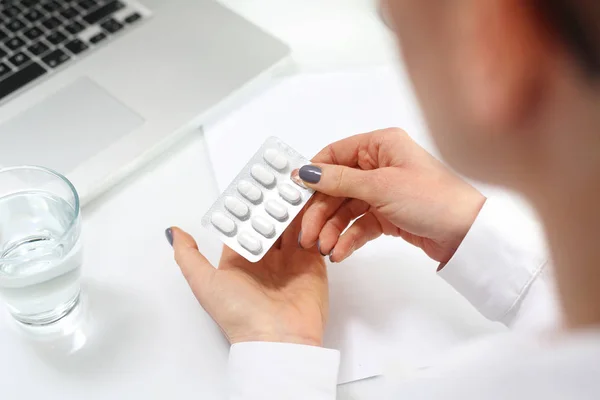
pixel 196 269
pixel 359 150
pixel 350 168
pixel 289 238
pixel 345 182
pixel 343 152
pixel 333 228
pixel 317 214
pixel 362 231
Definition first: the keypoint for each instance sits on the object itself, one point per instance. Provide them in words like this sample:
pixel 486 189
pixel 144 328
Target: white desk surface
pixel 152 339
pixel 324 35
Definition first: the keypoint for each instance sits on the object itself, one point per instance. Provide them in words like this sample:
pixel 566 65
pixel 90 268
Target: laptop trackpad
pixel 67 128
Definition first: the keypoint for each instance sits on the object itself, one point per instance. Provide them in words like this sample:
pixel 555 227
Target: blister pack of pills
pixel 261 202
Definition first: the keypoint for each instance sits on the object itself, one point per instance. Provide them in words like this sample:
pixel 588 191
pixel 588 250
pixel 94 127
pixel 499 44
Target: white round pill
pixel 262 175
pixel 249 242
pixel 263 226
pixel 249 191
pixel 289 194
pixel 222 223
pixel 275 159
pixel 236 207
pixel 276 210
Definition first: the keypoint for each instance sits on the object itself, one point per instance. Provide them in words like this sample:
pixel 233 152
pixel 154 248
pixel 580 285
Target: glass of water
pixel 40 248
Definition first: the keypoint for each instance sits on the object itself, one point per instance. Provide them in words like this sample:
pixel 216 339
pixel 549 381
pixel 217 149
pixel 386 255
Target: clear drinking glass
pixel 40 248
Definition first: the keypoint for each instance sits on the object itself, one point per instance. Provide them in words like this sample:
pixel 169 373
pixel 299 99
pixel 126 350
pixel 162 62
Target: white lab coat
pixel 509 280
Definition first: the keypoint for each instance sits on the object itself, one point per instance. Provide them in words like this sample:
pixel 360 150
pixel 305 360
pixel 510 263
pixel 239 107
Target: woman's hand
pixel 282 298
pixel 394 187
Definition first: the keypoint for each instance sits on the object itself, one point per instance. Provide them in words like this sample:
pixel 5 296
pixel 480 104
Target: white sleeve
pixel 265 371
pixel 501 268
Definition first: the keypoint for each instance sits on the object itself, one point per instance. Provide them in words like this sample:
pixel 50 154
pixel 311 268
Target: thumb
pixel 195 267
pixel 340 181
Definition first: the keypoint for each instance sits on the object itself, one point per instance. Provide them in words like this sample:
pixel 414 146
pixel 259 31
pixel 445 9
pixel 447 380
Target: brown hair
pixel 577 22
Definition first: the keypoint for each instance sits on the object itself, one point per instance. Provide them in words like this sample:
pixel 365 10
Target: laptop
pixel 95 88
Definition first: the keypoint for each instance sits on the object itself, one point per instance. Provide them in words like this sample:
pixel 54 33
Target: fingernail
pixel 295 177
pixel 299 239
pixel 331 257
pixel 310 174
pixel 319 248
pixel 169 235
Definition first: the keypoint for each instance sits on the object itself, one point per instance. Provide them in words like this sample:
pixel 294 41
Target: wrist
pixel 273 338
pixel 463 225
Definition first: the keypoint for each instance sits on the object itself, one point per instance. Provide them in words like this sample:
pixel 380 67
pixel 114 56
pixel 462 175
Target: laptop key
pixel 52 6
pixel 76 46
pixel 33 33
pixel 14 43
pixel 87 4
pixel 111 25
pixel 74 28
pixel 56 58
pixel 103 12
pixel 4 70
pixel 69 13
pixel 30 3
pixel 20 79
pixel 33 15
pixel 133 18
pixel 56 37
pixel 19 59
pixel 38 48
pixel 11 11
pixel 15 25
pixel 51 23
pixel 98 38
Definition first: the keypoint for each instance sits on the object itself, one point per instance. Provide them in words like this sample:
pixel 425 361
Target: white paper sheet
pixel 386 300
pixel 311 111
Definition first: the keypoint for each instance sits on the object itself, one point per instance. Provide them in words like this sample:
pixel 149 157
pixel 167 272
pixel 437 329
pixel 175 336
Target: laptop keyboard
pixel 38 36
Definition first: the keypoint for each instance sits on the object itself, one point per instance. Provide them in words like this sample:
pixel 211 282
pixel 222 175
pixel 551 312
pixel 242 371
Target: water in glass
pixel 40 256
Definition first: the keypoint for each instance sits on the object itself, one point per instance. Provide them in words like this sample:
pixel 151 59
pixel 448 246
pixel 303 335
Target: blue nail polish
pixel 310 173
pixel 169 235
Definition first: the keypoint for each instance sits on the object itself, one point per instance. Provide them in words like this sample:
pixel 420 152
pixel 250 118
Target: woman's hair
pixel 577 22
